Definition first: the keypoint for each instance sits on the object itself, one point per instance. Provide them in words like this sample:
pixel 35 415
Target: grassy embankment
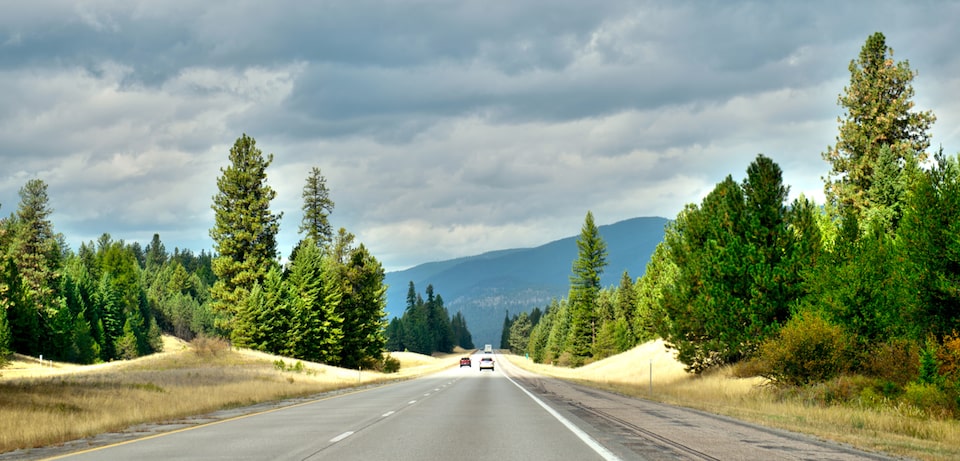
pixel 874 426
pixel 52 405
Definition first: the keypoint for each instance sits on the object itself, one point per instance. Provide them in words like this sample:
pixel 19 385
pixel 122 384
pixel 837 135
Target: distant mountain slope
pixel 486 286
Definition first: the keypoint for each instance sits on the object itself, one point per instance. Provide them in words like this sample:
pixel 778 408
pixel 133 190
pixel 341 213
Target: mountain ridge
pixel 487 286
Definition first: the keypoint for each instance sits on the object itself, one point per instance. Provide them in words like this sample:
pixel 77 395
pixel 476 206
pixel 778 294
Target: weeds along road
pixel 464 413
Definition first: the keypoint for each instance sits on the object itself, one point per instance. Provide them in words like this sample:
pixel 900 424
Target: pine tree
pixel 931 224
pixel 156 253
pixel 461 332
pixel 878 115
pixel 734 267
pixel 520 333
pixel 317 326
pixel 35 247
pixel 362 308
pixel 394 334
pixel 584 290
pixel 626 309
pixel 505 331
pixel 6 334
pixel 317 207
pixel 244 232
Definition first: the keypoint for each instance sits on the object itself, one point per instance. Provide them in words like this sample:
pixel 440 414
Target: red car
pixel 465 362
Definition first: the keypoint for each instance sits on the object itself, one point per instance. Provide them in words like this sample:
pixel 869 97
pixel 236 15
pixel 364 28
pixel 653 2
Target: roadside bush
pixel 297 367
pixel 949 357
pixel 391 364
pixel 204 345
pixel 808 349
pixel 564 360
pixel 840 390
pixel 931 400
pixel 929 365
pixel 896 361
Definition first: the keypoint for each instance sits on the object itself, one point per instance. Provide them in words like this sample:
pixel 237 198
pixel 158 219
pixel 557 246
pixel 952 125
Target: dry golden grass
pixel 52 405
pixel 896 429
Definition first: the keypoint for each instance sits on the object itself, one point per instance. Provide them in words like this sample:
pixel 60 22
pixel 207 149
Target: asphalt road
pixel 456 414
pixel 466 414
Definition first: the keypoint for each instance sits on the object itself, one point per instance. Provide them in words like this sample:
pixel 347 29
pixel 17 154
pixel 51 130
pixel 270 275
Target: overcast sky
pixel 444 128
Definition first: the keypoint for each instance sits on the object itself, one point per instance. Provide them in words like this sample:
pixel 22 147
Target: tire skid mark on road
pixel 644 433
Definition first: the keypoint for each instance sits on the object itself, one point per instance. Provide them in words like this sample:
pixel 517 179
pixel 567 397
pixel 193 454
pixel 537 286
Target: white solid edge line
pixel 341 437
pixel 600 449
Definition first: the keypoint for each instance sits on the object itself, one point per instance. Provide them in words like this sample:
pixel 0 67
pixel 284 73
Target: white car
pixel 486 362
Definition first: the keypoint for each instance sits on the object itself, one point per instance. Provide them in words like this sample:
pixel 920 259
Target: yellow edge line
pixel 212 423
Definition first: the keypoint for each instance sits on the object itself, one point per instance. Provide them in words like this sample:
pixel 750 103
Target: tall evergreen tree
pixel 461 331
pixel 35 247
pixel 505 331
pixel 931 224
pixel 156 253
pixel 626 309
pixel 541 333
pixel 520 333
pixel 878 114
pixel 584 289
pixel 425 327
pixel 362 308
pixel 317 327
pixel 317 207
pixel 245 230
pixel 7 299
pixel 394 334
pixel 737 276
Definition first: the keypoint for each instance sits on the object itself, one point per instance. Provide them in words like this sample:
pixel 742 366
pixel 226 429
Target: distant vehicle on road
pixel 487 349
pixel 465 362
pixel 486 362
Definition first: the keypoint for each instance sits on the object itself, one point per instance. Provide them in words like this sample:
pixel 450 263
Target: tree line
pixel 865 284
pixel 427 327
pixel 104 301
pixel 112 300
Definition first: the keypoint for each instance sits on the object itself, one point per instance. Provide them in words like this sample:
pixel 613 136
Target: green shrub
pixel 391 364
pixel 296 367
pixel 808 349
pixel 840 390
pixel 929 366
pixel 930 399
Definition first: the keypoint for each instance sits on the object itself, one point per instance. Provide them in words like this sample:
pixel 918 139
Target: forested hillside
pixel 859 298
pixel 486 287
pixel 112 299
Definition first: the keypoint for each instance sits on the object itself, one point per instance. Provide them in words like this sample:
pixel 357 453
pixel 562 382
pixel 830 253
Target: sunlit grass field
pixel 49 406
pixel 873 426
pixel 57 404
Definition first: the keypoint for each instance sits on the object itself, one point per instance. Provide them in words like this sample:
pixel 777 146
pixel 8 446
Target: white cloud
pixel 444 129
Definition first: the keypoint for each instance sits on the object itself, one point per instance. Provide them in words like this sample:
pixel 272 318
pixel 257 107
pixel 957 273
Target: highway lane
pixel 456 414
pixel 465 414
